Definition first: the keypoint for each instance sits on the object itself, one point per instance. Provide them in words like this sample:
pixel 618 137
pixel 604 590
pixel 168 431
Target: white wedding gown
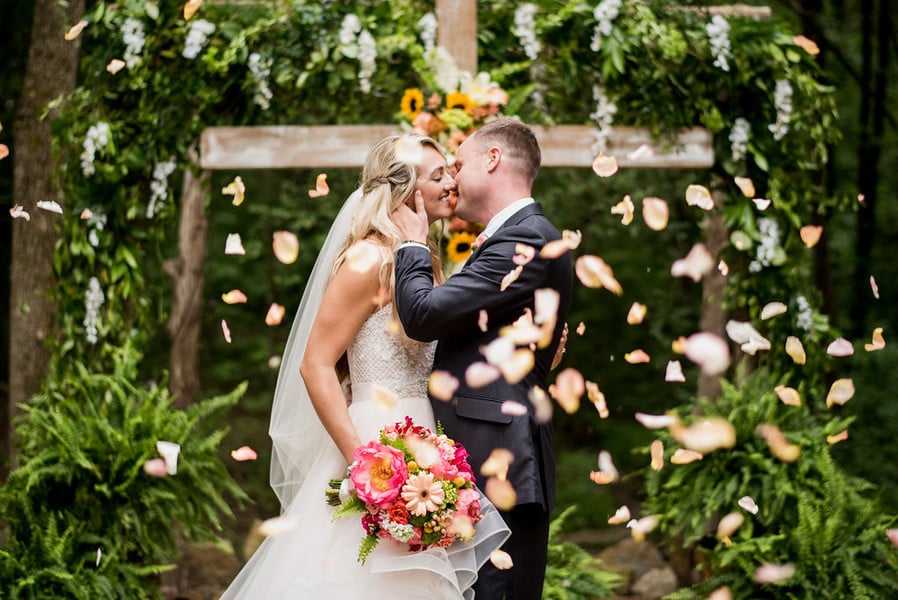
pixel 317 558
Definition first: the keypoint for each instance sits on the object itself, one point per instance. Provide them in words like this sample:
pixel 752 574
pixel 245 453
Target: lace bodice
pixel 391 360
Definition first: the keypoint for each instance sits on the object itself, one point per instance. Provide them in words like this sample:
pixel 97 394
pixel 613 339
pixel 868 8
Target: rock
pixel 202 573
pixel 656 582
pixel 637 557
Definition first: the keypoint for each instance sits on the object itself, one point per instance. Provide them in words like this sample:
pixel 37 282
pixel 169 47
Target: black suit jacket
pixel 449 313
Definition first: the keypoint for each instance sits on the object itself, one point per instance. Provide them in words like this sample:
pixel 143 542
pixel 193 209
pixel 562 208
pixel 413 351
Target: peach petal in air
pixel 479 374
pixel 276 526
pixel 384 399
pixel 190 8
pixel 795 350
pixel 643 151
pixel 709 351
pixel 545 305
pixel 778 444
pixel 510 278
pixel 873 287
pixel 524 253
pixel 597 398
pixel 286 246
pixel 593 272
pixel 363 256
pixel 721 593
pixel 788 395
pixel 840 347
pixel 515 409
pixel 498 351
pixel 321 187
pixel 621 515
pixel 684 456
pixel 729 525
pixel 50 206
pixel 698 195
pixel 625 209
pixel 674 371
pixel 234 245
pixel 810 235
pixel 17 212
pixel 773 309
pixel 501 493
pixel 442 385
pixel 694 265
pixel 877 343
pixel 656 421
pixel 637 356
pixel 657 453
pixel 892 534
pixel 4 151
pixel 570 240
pixel 606 467
pixel 234 297
pixel 115 65
pixel 723 268
pixel 226 331
pixel 482 320
pixel 747 336
pixel 761 203
pixel 838 437
pixel 155 467
pixel 169 452
pixel 636 313
pixel 840 392
pixel 655 213
pixel 75 30
pixel 679 345
pixel 244 453
pixel 275 314
pixel 237 189
pixel 496 464
pixel 746 186
pixel 806 44
pixel 462 527
pixel 518 365
pixel 705 435
pixel 748 503
pixel 581 328
pixel 569 386
pixel 640 528
pixel 773 573
pixel 501 560
pixel 604 165
pixel 542 404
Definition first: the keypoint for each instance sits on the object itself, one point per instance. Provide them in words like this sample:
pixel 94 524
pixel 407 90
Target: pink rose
pixel 468 502
pixel 378 473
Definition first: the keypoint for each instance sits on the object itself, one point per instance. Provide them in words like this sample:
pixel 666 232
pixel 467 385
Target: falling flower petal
pixel 569 386
pixel 705 435
pixel 771 573
pixel 244 453
pixel 637 356
pixel 496 464
pixel 877 343
pixel 698 195
pixel 234 245
pixel 839 437
pixel 729 525
pixel 581 328
pixel 482 320
pixel 75 30
pixel 810 235
pixel 462 527
pixel 275 314
pixel 501 493
pixel 806 44
pixel 49 205
pixel 607 472
pixel 498 351
pixel 286 246
pixel 501 560
pixel 721 593
pixel 893 536
pixel 518 365
pixel 840 347
pixel 708 351
pixel 643 151
pixel 747 336
pixel 597 398
pixel 510 278
pixel 524 253
pixel 542 404
pixel 788 395
pixel 99 556
pixel 639 529
pixel 873 287
pixel 636 313
pixel 745 186
pixel 384 399
pixel 625 209
pixel 321 187
pixel 761 203
pixel 515 409
pixel 795 350
pixel 17 212
pixel 604 166
pixel 234 297
pixel 115 65
pixel 695 265
pixel 169 452
pixel 679 345
pixel 778 443
pixel 656 421
pixel 86 214
pixel 226 331
pixel 570 240
pixel 4 151
pixel 683 456
pixel 442 385
pixel 276 526
pixel 363 256
pixel 621 515
pixel 237 189
pixel 674 371
pixel 655 213
pixel 594 272
pixel 840 392
pixel 479 374
pixel 723 268
pixel 155 467
pixel 773 309
pixel 657 452
pixel 748 503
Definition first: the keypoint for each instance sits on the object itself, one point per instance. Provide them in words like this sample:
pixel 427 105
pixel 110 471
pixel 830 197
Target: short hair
pixel 515 138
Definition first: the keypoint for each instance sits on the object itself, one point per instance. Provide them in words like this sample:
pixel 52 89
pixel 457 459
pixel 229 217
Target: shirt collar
pixel 503 215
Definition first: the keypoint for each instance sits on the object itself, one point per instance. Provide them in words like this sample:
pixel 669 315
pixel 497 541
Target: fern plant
pixel 572 573
pixel 81 511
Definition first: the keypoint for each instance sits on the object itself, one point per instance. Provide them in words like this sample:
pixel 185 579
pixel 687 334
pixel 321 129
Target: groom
pixel 495 170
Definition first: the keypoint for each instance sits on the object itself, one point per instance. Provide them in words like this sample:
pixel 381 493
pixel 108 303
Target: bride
pixel 317 422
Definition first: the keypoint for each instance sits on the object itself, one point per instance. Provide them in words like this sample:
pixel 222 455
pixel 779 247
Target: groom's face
pixel 469 172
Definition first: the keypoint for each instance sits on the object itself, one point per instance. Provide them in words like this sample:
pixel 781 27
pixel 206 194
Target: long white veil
pixel 296 432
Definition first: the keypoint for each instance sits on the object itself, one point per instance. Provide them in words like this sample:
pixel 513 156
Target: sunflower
pixel 459 100
pixel 460 246
pixel 412 102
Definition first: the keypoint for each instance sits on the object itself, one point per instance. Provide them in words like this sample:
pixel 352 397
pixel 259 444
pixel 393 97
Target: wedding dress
pixel 317 558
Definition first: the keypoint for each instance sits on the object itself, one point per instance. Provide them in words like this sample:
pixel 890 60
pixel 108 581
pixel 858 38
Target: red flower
pixel 398 513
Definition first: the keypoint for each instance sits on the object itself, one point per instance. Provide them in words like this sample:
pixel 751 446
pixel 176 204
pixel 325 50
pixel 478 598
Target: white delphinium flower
pixel 525 29
pixel 605 13
pixel 349 29
pixel 96 223
pixel 718 31
pixel 134 38
pixel 739 138
pixel 782 100
pixel 443 67
pixel 97 138
pixel 804 319
pixel 367 58
pixel 428 25
pixel 260 68
pixel 199 32
pixel 767 245
pixel 159 185
pixel 603 115
pixel 93 300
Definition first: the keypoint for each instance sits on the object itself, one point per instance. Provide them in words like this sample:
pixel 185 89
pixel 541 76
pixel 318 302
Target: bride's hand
pixel 412 220
pixel 559 352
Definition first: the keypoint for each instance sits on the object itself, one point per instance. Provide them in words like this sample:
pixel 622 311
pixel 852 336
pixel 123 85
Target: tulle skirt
pixel 318 557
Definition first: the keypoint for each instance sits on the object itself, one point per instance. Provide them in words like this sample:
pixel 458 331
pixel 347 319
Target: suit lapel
pixel 515 219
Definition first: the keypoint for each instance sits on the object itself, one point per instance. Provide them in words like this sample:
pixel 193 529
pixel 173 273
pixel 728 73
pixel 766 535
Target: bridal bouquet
pixel 412 486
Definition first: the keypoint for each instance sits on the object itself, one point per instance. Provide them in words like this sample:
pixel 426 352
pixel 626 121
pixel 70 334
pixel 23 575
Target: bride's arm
pixel 348 301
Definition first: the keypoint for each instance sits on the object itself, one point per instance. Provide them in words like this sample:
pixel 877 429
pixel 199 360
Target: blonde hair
pixel 388 180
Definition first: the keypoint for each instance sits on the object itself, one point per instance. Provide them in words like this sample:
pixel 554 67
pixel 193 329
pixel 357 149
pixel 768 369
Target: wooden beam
pixel 457 31
pixel 329 146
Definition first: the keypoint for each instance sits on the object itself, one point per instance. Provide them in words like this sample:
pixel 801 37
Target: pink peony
pixel 378 473
pixel 468 502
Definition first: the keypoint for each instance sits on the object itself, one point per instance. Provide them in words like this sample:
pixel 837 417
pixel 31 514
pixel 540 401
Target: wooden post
pixel 457 31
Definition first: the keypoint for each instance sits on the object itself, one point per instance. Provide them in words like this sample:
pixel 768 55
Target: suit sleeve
pixel 431 312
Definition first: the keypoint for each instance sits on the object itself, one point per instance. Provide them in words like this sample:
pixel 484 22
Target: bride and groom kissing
pixel 377 301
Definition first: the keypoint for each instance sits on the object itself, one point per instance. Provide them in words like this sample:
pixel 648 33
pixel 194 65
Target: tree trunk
pixel 51 71
pixel 186 273
pixel 713 318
